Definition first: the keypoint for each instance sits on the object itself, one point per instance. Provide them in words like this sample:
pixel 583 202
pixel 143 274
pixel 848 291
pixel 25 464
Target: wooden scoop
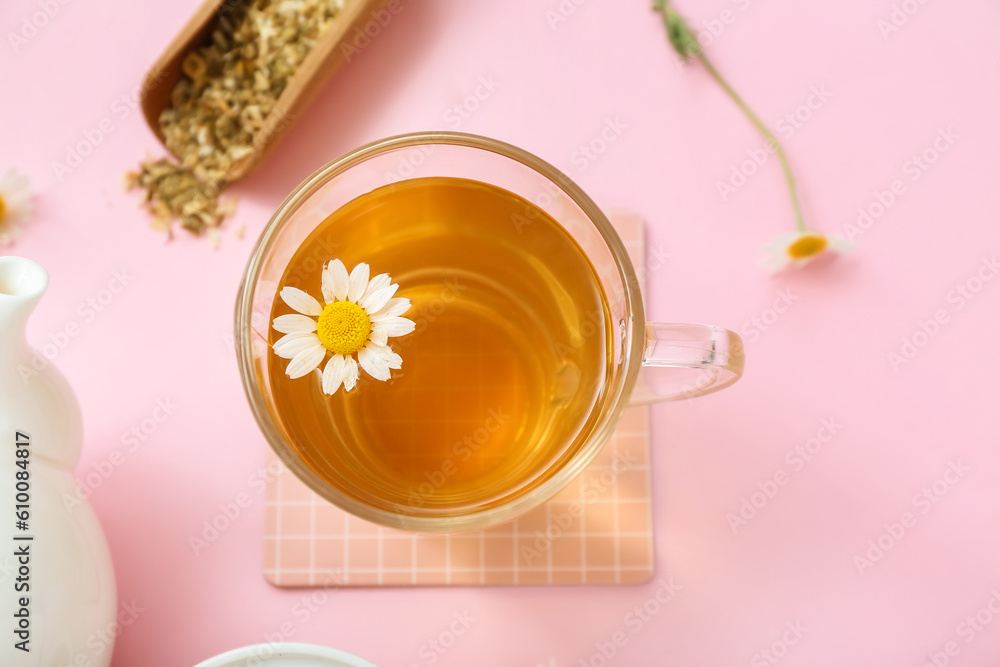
pixel 317 67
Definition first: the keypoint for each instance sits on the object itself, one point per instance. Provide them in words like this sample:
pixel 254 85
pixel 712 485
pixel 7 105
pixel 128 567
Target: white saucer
pixel 285 654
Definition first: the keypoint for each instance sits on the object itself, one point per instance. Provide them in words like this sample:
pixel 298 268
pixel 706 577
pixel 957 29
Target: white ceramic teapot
pixel 57 588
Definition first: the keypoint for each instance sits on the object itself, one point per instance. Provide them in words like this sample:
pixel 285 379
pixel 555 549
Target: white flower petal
pixel 378 334
pixel 15 189
pixel 377 283
pixel 294 324
pixel 393 308
pixel 340 281
pixel 350 373
pixel 288 346
pixel 775 256
pixel 305 362
pixel 374 364
pixel 395 326
pixel 333 374
pixel 773 253
pixel 12 180
pixel 372 302
pixel 775 262
pixel 326 286
pixel 381 350
pixel 840 244
pixel 359 282
pixel 799 262
pixel 301 302
pixel 394 361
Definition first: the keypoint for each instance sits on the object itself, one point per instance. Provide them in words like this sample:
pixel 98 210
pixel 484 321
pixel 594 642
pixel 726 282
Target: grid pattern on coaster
pixel 598 530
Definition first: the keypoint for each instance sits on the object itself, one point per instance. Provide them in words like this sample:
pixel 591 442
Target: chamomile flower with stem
pixel 794 249
pixel 348 330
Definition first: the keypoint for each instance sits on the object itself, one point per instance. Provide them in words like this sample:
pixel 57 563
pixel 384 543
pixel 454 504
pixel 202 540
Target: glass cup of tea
pixel 530 338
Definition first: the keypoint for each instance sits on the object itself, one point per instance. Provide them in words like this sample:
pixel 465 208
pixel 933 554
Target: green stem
pixel 764 130
pixel 687 46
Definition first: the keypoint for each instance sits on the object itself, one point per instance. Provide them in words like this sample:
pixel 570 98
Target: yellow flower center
pixel 3 208
pixel 807 246
pixel 343 327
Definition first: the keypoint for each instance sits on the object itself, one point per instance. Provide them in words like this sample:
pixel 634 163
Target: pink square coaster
pixel 598 530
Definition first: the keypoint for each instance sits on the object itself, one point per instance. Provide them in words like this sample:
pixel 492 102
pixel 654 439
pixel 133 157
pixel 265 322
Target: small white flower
pixel 799 248
pixel 360 316
pixel 15 205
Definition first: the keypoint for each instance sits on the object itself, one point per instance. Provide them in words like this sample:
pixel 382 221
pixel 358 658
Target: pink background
pixel 167 335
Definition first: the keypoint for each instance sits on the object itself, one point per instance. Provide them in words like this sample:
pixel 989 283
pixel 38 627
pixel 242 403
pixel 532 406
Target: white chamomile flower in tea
pixel 358 318
pixel 15 205
pixel 799 248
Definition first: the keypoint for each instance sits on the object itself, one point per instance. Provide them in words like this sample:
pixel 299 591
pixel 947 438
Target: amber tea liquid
pixel 500 378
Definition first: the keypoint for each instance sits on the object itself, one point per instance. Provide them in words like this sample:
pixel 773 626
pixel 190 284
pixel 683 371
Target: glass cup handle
pixel 686 360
